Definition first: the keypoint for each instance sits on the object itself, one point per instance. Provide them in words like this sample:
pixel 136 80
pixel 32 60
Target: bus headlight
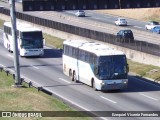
pixel 102 83
pixel 125 82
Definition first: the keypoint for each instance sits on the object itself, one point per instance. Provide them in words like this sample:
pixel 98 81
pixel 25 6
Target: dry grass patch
pixel 145 70
pixel 53 41
pixel 139 14
pixel 1 24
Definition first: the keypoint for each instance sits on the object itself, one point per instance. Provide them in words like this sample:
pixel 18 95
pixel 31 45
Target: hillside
pixel 145 14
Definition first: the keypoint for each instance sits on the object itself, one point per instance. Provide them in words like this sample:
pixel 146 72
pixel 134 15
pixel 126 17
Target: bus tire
pixel 8 47
pixel 74 77
pixel 93 85
pixel 70 74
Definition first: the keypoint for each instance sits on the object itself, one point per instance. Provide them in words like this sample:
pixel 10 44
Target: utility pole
pixel 15 50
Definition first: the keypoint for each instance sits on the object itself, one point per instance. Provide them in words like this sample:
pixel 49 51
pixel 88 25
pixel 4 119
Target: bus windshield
pixel 32 40
pixel 112 67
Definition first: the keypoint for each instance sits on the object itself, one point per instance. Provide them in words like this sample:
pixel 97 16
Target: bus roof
pixel 23 27
pixel 93 47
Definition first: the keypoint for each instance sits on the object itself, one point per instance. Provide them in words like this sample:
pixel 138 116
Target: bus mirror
pixel 127 68
pixel 44 42
pixel 96 69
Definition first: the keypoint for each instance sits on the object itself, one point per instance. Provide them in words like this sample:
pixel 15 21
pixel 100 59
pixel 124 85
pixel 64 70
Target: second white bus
pixel 30 39
pixel 95 64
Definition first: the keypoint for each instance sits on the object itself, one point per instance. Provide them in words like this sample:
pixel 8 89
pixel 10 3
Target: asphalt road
pixel 47 72
pixel 109 19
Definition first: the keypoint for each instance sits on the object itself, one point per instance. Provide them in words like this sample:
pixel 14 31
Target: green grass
pixel 144 70
pixel 53 41
pixel 29 99
pixel 1 24
pixel 153 18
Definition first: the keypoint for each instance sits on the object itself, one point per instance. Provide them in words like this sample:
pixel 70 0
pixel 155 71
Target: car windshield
pixel 122 19
pixel 127 31
pixel 80 11
pixel 158 28
pixel 112 67
pixel 155 23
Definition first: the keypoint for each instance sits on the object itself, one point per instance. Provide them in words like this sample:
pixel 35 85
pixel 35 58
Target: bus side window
pixel 96 69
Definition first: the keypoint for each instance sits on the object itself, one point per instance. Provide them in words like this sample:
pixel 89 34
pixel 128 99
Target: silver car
pixel 121 21
pixel 80 13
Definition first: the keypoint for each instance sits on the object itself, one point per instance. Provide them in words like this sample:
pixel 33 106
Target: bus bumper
pixel 112 87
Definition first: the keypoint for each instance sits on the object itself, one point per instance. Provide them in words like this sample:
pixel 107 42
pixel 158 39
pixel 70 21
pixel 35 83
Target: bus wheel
pixel 93 85
pixel 70 74
pixel 74 77
pixel 8 47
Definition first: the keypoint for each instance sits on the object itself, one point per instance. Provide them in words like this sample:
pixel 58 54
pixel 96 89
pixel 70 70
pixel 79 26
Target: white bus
pixel 30 39
pixel 94 64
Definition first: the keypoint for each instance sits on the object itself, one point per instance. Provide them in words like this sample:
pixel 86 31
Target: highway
pixel 47 72
pixel 96 21
pixel 109 19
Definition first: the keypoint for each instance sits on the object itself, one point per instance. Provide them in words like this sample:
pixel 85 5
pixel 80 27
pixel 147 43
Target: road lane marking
pixel 98 18
pixel 148 96
pixel 35 67
pixel 137 27
pixel 108 99
pixel 10 55
pixel 64 80
pixel 74 103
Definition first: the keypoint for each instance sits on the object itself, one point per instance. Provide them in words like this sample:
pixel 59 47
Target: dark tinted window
pixel 155 23
pixel 31 35
pixel 80 11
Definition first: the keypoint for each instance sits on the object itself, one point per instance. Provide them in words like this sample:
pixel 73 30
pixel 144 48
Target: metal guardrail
pixel 142 46
pixel 30 83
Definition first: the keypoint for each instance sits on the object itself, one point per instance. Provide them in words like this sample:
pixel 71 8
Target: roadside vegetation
pixel 1 24
pixel 144 70
pixel 29 99
pixel 145 14
pixel 53 41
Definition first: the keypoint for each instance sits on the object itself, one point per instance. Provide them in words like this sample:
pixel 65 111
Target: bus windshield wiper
pixel 114 74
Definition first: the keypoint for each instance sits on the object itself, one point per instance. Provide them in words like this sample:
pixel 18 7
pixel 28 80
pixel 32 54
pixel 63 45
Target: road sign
pixel 53 5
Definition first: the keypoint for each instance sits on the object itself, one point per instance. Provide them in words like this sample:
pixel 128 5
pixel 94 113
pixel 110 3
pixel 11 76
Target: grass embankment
pixel 29 99
pixel 1 24
pixel 53 41
pixel 145 14
pixel 144 70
